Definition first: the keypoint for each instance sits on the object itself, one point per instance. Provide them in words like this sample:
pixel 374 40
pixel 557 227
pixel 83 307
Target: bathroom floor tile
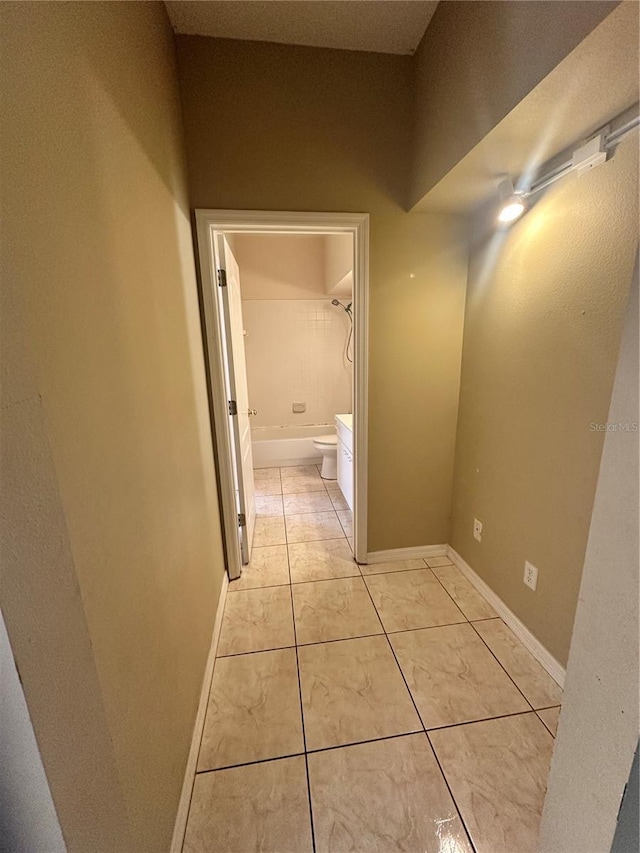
pixel 550 717
pixel 352 690
pixel 269 531
pixel 384 796
pixel 407 600
pixel 253 711
pixel 269 506
pixel 536 684
pixel 391 566
pixel 304 502
pixel 269 566
pixel 266 474
pixel 292 471
pixel 296 485
pixel 257 619
pixel 465 596
pixel 259 807
pixel 453 677
pixel 267 488
pixel 321 560
pixel 334 610
pixel 311 526
pixel 497 771
pixel 345 517
pixel 337 499
pixel 433 562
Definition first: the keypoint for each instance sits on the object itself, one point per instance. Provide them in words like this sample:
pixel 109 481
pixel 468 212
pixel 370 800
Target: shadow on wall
pixel 156 129
pixel 306 128
pixel 115 555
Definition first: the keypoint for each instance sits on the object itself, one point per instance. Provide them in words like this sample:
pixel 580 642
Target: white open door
pixel 238 396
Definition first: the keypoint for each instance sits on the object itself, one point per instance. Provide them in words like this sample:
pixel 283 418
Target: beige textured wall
pixel 598 732
pixel 280 266
pixel 112 560
pixel 541 337
pixel 272 127
pixel 476 62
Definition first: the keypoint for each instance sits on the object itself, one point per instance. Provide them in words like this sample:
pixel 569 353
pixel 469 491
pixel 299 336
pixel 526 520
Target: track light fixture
pixel 583 159
pixel 511 203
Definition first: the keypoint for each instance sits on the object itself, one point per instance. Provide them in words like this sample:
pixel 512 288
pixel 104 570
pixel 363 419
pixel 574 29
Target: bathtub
pixel 275 447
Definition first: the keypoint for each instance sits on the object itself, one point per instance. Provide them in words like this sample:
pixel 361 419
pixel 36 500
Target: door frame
pixel 209 223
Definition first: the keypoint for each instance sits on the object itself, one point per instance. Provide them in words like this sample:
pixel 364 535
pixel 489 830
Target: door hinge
pixel 233 407
pixel 242 519
pixel 222 278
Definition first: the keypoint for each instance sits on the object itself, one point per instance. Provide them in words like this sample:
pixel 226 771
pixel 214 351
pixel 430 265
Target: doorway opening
pixel 285 301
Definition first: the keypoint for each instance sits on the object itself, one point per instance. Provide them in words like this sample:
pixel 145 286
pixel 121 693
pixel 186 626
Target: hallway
pixel 364 708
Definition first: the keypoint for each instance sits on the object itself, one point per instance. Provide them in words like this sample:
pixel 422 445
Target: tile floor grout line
pixel 544 724
pixel 455 802
pixel 304 541
pixel 483 640
pixel 363 742
pixel 390 572
pixel 313 831
pixel 453 799
pixel 309 541
pixel 250 763
pixel 304 734
pixel 448 593
pixel 481 720
pixel 316 751
pixel 485 618
pixel 256 651
pixel 503 667
pixel 396 659
pixel 342 639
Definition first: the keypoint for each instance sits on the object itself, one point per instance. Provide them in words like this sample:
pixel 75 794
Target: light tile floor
pixel 364 708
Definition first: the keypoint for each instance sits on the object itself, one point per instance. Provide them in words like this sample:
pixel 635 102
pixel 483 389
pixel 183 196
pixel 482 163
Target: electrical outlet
pixel 477 530
pixel 530 575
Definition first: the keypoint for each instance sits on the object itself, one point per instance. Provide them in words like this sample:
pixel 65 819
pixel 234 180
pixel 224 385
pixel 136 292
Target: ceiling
pixel 380 26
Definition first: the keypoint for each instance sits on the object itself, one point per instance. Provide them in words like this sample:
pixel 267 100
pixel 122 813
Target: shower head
pixel 345 308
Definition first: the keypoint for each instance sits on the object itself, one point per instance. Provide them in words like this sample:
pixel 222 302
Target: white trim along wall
pixel 180 826
pixel 544 657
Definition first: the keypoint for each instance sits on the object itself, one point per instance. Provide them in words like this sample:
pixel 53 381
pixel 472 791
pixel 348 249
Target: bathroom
pixel 297 315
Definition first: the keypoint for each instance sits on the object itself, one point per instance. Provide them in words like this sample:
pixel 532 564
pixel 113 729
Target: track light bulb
pixel 511 204
pixel 511 210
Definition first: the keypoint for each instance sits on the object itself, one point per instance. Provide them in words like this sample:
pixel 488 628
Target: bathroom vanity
pixel 344 431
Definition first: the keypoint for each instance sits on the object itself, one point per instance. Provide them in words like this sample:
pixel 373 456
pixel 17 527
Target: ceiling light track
pixel 583 159
pixel 602 142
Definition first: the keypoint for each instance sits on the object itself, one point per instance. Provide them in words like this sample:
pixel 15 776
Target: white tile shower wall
pixel 295 353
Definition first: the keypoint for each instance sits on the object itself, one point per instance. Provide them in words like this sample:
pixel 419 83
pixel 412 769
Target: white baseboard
pixel 544 657
pixel 180 825
pixel 420 551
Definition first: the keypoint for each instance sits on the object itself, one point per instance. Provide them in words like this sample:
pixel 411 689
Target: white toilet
pixel 327 445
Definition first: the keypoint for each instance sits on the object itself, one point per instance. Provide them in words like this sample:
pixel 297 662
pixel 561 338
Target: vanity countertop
pixel 346 420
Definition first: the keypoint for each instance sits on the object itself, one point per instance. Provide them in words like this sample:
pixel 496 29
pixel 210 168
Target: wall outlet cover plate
pixel 477 530
pixel 530 575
